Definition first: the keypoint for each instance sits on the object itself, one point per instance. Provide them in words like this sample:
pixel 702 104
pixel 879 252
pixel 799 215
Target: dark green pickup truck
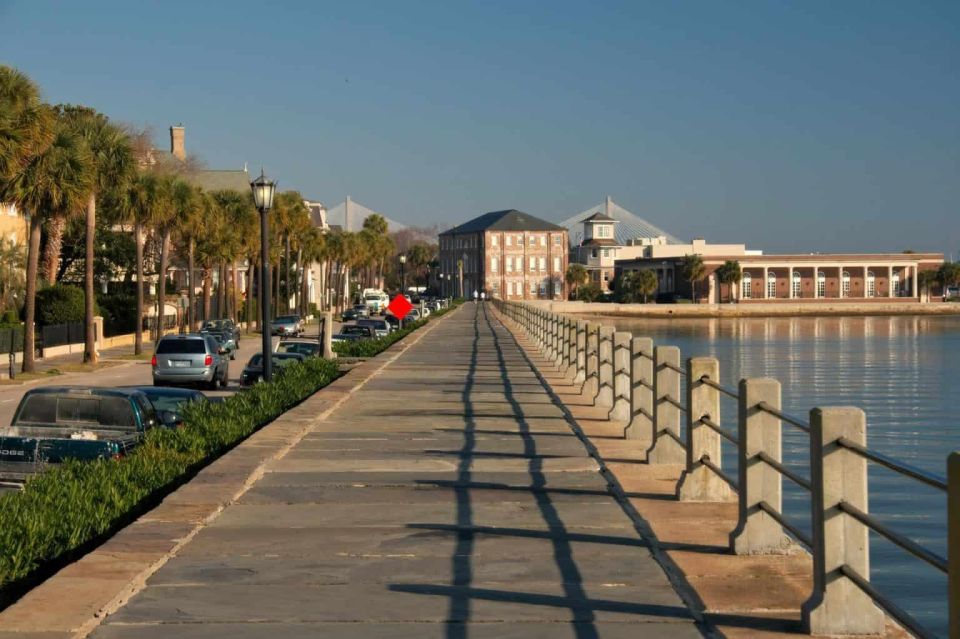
pixel 55 424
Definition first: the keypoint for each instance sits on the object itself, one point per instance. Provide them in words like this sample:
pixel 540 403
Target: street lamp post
pixel 403 275
pixel 263 190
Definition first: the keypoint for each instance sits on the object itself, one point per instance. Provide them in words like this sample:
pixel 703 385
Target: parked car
pixel 306 348
pixel 53 424
pixel 227 325
pixel 190 359
pixel 253 371
pixel 380 326
pixel 353 332
pixel 170 402
pixel 286 326
pixel 349 315
pixel 225 341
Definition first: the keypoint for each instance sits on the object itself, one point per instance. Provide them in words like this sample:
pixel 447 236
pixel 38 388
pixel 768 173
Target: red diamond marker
pixel 399 307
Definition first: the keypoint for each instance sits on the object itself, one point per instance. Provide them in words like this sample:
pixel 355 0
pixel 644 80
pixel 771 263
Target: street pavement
pixel 126 373
pixel 447 497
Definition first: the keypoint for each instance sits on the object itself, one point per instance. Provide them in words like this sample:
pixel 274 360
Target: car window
pixel 78 409
pixel 256 360
pixel 38 408
pixel 117 412
pixel 186 346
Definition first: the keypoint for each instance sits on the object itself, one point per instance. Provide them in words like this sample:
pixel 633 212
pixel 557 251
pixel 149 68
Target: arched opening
pixel 845 286
pixel 895 284
pixel 796 283
pixel 771 284
pixel 871 284
pixel 821 284
pixel 746 283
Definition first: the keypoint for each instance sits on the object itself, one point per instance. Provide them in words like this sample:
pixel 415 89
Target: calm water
pixel 902 371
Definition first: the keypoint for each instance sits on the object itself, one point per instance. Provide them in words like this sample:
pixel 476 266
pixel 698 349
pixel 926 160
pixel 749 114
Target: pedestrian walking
pixel 475 296
pixel 483 296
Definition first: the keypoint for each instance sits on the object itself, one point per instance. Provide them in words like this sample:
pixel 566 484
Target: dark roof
pixel 510 220
pixel 594 241
pixel 599 217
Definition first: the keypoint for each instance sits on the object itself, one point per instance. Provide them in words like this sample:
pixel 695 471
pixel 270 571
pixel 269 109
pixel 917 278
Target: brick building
pixel 507 254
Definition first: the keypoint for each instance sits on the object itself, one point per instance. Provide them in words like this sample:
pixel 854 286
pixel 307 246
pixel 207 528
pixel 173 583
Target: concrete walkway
pixel 448 497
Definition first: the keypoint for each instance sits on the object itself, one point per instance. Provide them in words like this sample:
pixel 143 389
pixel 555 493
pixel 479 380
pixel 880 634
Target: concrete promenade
pixel 449 496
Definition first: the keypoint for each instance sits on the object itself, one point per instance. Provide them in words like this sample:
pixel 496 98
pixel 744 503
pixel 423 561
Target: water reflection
pixel 902 371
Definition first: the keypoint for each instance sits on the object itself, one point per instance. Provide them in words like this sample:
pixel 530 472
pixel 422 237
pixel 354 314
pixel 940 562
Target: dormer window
pixel 603 230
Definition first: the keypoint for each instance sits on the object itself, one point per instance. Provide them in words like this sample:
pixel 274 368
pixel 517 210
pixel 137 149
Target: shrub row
pixel 67 506
pixel 371 347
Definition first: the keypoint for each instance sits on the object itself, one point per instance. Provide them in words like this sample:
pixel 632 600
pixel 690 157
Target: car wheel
pixel 214 382
pixel 233 356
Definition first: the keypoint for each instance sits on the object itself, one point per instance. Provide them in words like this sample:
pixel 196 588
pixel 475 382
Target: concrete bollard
pixel 698 482
pixel 621 378
pixel 572 348
pixel 641 390
pixel 605 367
pixel 327 337
pixel 953 542
pixel 591 385
pixel 667 447
pixel 757 533
pixel 837 605
pixel 581 362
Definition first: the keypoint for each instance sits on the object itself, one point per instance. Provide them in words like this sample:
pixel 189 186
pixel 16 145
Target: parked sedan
pixel 380 326
pixel 225 325
pixel 253 372
pixel 306 348
pixel 170 402
pixel 286 326
pixel 226 342
pixel 353 333
pixel 190 359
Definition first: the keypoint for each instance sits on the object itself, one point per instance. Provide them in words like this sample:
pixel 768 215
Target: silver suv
pixel 190 359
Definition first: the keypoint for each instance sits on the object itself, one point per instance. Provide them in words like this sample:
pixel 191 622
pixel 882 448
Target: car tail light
pixel 208 360
pixel 153 361
pixel 117 456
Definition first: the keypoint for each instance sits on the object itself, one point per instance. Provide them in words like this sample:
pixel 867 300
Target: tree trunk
pixel 236 292
pixel 90 342
pixel 162 284
pixel 30 303
pixel 286 274
pixel 191 286
pixel 51 257
pixel 298 284
pixel 249 306
pixel 221 291
pixel 138 331
pixel 206 292
pixel 276 290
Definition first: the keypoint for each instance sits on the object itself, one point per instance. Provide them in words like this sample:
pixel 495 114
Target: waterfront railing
pixel 640 383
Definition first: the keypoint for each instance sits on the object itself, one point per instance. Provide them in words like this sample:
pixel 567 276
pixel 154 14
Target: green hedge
pixel 70 505
pixel 371 347
pixel 59 304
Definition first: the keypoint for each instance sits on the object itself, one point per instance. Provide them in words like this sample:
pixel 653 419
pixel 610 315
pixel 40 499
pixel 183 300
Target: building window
pixel 603 230
pixel 557 287
pixel 593 253
pixel 796 284
pixel 558 240
pixel 556 265
pixel 543 263
pixel 494 265
pixel 496 289
pixel 606 252
pixel 895 284
pixel 509 239
pixel 543 240
pixel 821 284
pixel 493 240
pixel 533 288
pixel 747 285
pixel 533 264
pixel 543 288
pixel 509 289
pixel 509 263
pixel 533 241
pixel 845 284
pixel 771 284
pixel 871 284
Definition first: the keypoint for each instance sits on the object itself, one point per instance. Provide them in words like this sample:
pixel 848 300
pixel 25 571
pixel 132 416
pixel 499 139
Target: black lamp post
pixel 263 190
pixel 403 275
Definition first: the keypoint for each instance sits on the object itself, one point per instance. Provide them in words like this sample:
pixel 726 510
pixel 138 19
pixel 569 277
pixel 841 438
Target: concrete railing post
pixel 554 339
pixel 581 357
pixel 591 385
pixel 621 378
pixel 571 347
pixel 757 533
pixel 605 367
pixel 838 606
pixel 667 447
pixel 700 483
pixel 953 542
pixel 641 390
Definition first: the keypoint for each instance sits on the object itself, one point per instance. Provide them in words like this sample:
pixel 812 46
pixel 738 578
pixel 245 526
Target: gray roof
pixel 509 220
pixel 357 213
pixel 228 180
pixel 599 217
pixel 630 226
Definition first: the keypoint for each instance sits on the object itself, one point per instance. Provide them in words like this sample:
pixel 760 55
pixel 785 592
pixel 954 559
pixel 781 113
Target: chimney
pixel 606 210
pixel 176 142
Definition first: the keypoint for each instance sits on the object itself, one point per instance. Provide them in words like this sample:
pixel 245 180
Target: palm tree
pixel 193 206
pixel 27 126
pixel 949 276
pixel 13 260
pixel 576 275
pixel 693 270
pixel 57 179
pixel 138 205
pixel 924 280
pixel 113 164
pixel 646 284
pixel 730 274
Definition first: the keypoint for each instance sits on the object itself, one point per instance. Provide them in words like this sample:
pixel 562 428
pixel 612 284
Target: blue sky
pixel 791 126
